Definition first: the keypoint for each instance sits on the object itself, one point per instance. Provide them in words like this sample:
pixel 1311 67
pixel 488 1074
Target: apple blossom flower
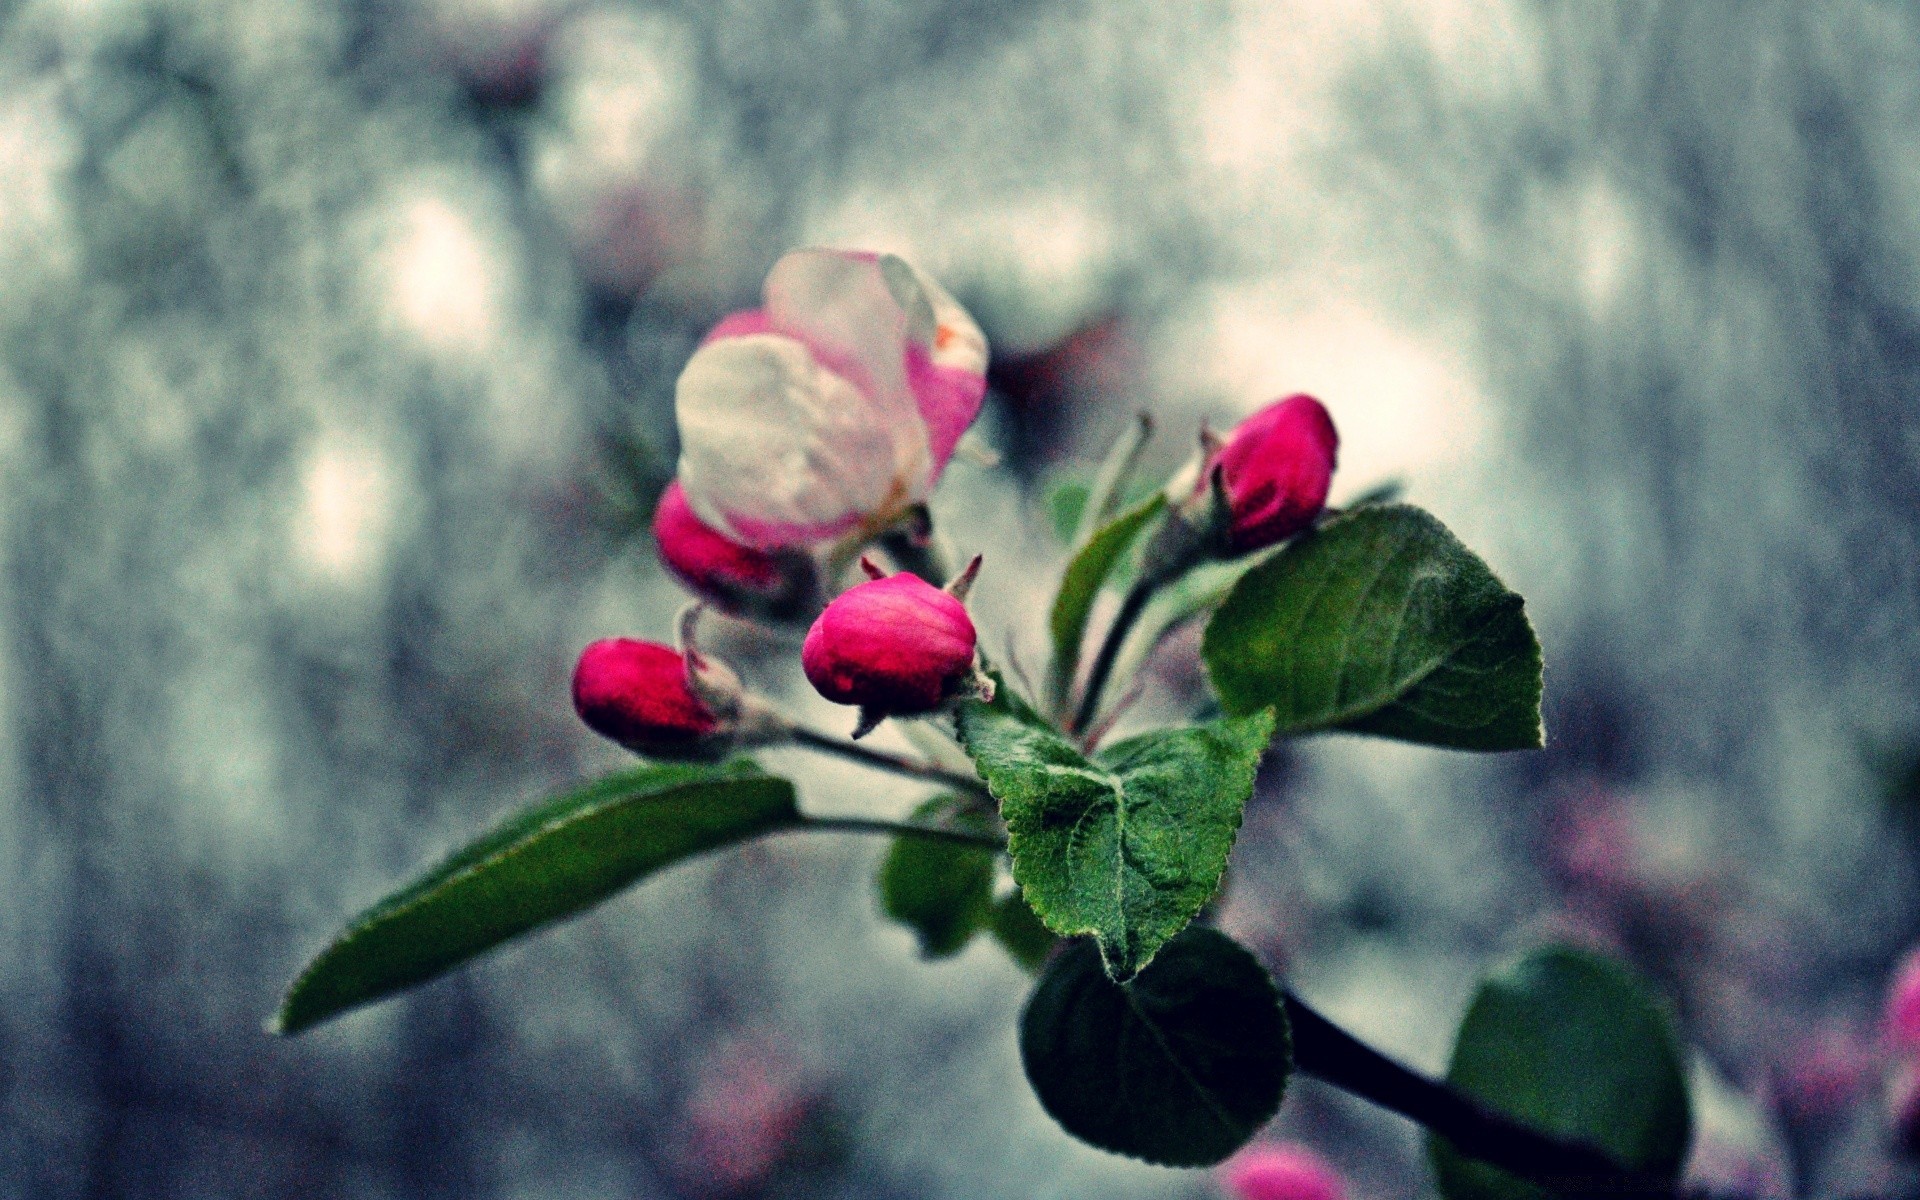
pixel 750 1104
pixel 895 645
pixel 1281 1172
pixel 834 407
pixel 734 578
pixel 1903 1005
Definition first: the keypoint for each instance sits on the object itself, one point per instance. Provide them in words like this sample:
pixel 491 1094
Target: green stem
pixel 1123 623
pixel 881 760
pixel 900 829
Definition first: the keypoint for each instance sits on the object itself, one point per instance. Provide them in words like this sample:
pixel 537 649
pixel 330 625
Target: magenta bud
pixel 896 647
pixel 640 695
pixel 1274 470
pixel 736 579
pixel 1281 1172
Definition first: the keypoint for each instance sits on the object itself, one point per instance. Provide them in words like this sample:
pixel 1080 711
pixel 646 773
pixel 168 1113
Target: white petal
pixel 954 339
pixel 775 447
pixel 841 304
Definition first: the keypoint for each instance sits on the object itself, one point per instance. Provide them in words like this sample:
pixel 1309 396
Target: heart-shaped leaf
pixel 1381 622
pixel 941 890
pixel 1574 1045
pixel 548 862
pixel 1127 846
pixel 1180 1066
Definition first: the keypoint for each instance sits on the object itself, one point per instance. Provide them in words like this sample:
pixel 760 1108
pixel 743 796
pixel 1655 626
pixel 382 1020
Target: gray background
pixel 336 353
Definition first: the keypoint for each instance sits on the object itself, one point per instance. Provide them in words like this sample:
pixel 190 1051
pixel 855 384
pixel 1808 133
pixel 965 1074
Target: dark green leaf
pixel 1080 587
pixel 1015 927
pixel 941 890
pixel 546 863
pixel 1574 1045
pixel 1381 622
pixel 1179 1067
pixel 1128 846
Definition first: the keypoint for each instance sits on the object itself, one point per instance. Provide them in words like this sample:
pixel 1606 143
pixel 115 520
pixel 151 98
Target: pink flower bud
pixel 896 647
pixel 1281 1172
pixel 1275 468
pixel 1903 1005
pixel 733 578
pixel 639 694
pixel 833 407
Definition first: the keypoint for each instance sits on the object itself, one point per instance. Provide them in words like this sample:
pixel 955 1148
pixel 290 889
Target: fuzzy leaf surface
pixel 1127 846
pixel 1573 1044
pixel 1381 622
pixel 549 861
pixel 1179 1067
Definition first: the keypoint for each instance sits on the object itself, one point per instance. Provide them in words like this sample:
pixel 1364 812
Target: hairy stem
pixel 881 760
pixel 1123 623
pixel 1329 1053
pixel 901 829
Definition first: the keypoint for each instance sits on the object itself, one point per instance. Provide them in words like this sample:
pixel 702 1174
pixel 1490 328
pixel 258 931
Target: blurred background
pixel 337 345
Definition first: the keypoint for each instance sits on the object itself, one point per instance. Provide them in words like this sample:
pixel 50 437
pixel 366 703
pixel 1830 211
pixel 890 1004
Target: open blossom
pixel 640 695
pixel 1281 1172
pixel 734 578
pixel 833 407
pixel 895 646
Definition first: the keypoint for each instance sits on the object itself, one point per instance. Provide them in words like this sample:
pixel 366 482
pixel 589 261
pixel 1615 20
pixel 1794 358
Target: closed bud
pixel 1275 470
pixel 895 646
pixel 1262 483
pixel 641 695
pixel 741 580
pixel 1281 1172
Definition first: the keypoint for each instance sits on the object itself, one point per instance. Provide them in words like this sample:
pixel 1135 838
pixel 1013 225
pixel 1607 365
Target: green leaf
pixel 1114 480
pixel 1066 500
pixel 1179 1067
pixel 1080 587
pixel 1380 622
pixel 1127 846
pixel 1574 1045
pixel 548 862
pixel 940 890
pixel 1016 928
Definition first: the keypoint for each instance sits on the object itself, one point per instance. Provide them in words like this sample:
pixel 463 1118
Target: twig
pixel 1123 622
pixel 899 829
pixel 1328 1052
pixel 881 760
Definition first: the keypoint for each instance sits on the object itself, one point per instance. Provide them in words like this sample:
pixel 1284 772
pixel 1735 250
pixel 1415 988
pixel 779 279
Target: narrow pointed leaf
pixel 1380 622
pixel 1080 587
pixel 1114 479
pixel 940 890
pixel 548 862
pixel 1127 846
pixel 1574 1045
pixel 1180 1067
